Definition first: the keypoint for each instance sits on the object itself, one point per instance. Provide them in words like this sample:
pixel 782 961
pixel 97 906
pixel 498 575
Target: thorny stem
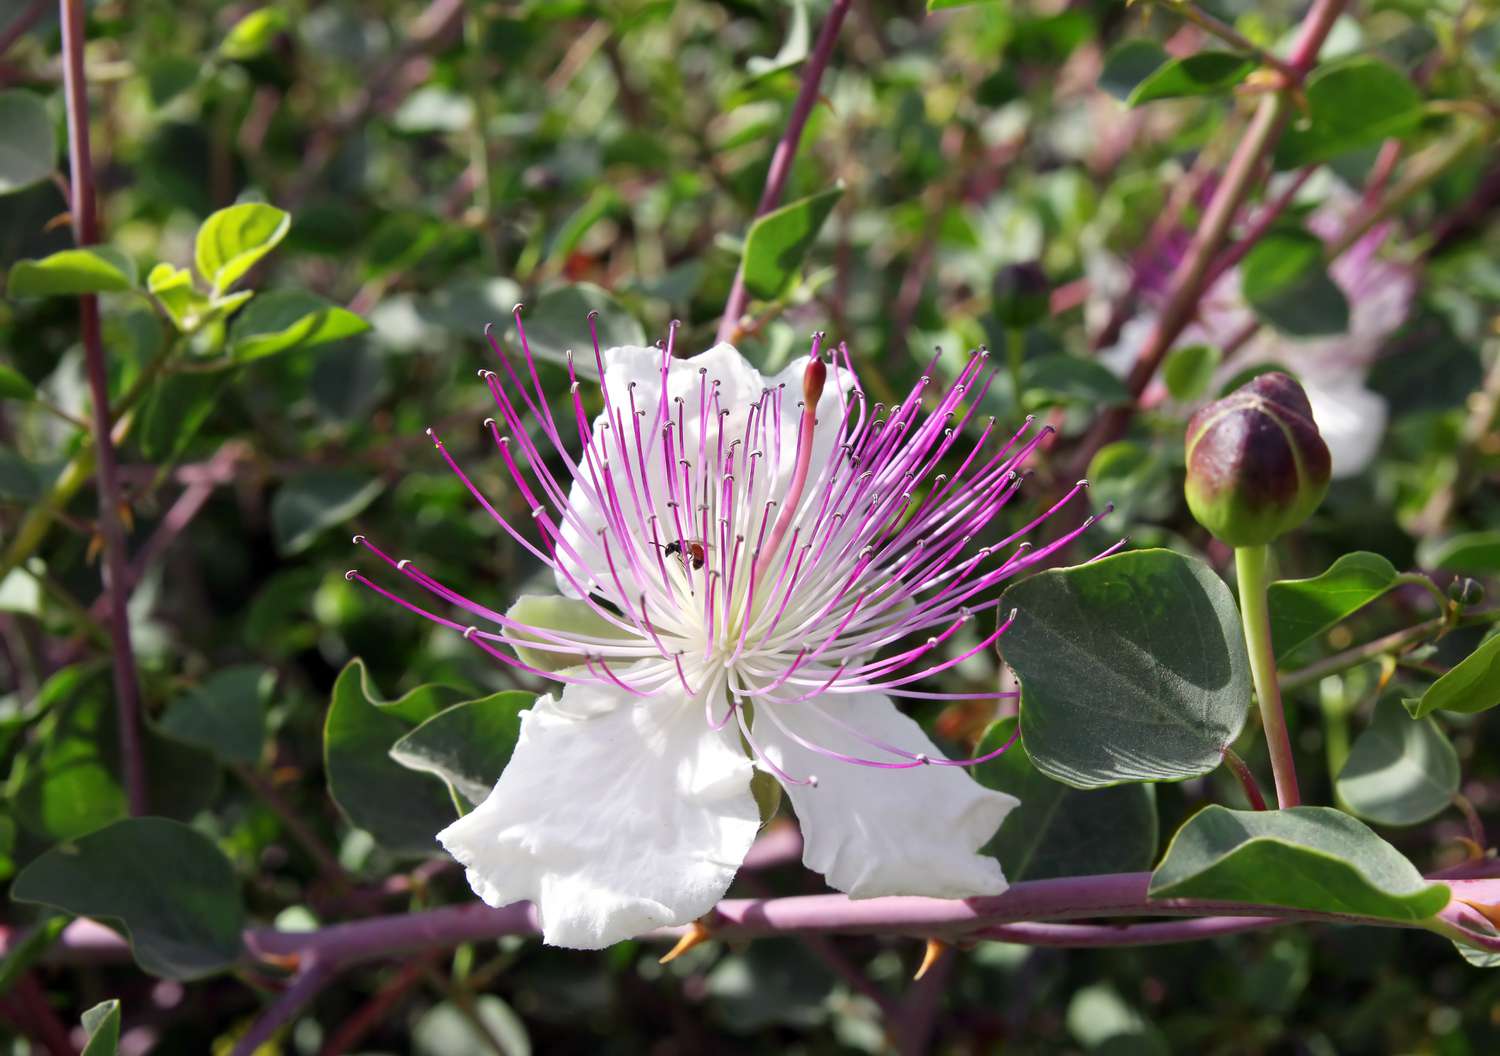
pixel 1246 778
pixel 1250 564
pixel 786 151
pixel 86 232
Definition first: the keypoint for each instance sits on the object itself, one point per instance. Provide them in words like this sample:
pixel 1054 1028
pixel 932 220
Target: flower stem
pixel 1242 772
pixel 86 232
pixel 1250 564
pixel 786 150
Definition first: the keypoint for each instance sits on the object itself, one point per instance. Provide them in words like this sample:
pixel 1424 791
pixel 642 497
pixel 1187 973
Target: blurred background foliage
pixel 443 161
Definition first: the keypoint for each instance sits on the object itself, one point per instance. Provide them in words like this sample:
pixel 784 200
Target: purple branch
pixel 1089 936
pixel 86 233
pixel 313 976
pixel 786 151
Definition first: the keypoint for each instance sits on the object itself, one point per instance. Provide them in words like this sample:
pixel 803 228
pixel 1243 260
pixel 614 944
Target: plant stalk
pixel 1250 564
pixel 786 151
pixel 111 526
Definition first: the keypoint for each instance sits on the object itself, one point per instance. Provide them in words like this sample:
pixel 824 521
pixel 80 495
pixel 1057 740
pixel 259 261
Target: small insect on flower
pixel 750 571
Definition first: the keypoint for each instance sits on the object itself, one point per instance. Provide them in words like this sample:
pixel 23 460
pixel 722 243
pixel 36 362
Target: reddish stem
pixel 1242 772
pixel 786 151
pixel 86 233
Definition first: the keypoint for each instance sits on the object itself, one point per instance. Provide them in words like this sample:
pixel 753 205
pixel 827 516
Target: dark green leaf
pixel 1472 553
pixel 168 888
pixel 1132 668
pixel 1302 609
pixel 778 242
pixel 1189 370
pixel 1352 104
pixel 1062 831
pixel 312 502
pixel 69 272
pixel 1284 279
pixel 285 319
pixel 1128 65
pixel 1400 771
pixel 26 950
pixel 28 146
pixel 226 714
pixel 403 810
pixel 559 322
pixel 1206 73
pixel 178 406
pixel 1471 685
pixel 102 1025
pixel 169 76
pixel 1050 380
pixel 1312 858
pixel 232 240
pixel 1135 480
pixel 468 744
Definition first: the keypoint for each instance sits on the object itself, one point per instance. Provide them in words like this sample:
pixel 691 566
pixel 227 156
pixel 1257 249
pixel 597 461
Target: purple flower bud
pixel 1256 465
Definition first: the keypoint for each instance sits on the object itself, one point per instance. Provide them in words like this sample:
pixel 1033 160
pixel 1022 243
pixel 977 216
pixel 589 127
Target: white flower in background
pixel 750 569
pixel 1332 369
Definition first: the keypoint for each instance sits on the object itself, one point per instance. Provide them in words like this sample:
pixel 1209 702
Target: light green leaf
pixel 778 242
pixel 286 319
pixel 1189 370
pixel 1132 668
pixel 1128 64
pixel 553 612
pixel 102 1025
pixel 231 240
pixel 14 386
pixel 1284 279
pixel 1302 609
pixel 312 502
pixel 468 744
pixel 1351 104
pixel 402 809
pixel 174 290
pixel 253 34
pixel 1061 831
pixel 1206 73
pixel 28 144
pixel 1472 553
pixel 1400 770
pixel 1312 858
pixel 70 272
pixel 226 714
pixel 1471 685
pixel 166 886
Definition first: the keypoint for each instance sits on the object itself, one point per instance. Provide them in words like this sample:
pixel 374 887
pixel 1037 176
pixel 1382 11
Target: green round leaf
pixel 286 319
pixel 1303 609
pixel 1189 370
pixel 402 809
pixel 14 386
pixel 1352 104
pixel 1132 668
pixel 1206 73
pixel 468 744
pixel 1471 685
pixel 778 242
pixel 1312 858
pixel 1058 379
pixel 312 502
pixel 1284 279
pixel 226 714
pixel 1400 771
pixel 1472 553
pixel 168 888
pixel 1128 64
pixel 28 144
pixel 1062 831
pixel 559 322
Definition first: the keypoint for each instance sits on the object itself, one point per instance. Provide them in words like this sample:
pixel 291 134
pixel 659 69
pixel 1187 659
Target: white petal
pixel 616 815
pixel 1352 421
pixel 875 832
